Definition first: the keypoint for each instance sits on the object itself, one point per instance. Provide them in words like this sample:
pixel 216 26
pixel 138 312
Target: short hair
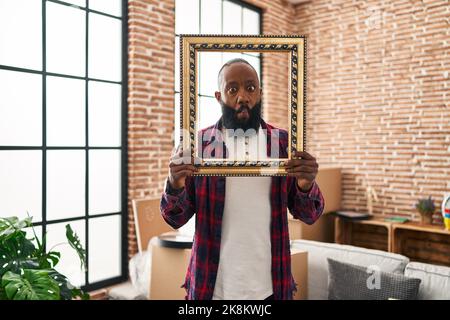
pixel 229 63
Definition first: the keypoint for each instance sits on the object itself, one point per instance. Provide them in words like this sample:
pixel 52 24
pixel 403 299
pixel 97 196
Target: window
pixel 63 128
pixel 212 17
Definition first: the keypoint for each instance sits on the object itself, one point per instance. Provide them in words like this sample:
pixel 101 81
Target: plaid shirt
pixel 205 197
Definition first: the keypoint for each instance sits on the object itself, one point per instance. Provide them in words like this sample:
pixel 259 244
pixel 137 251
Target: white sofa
pixel 435 279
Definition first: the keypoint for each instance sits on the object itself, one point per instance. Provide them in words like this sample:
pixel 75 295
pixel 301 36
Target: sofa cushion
pixel 318 252
pixel 351 282
pixel 435 280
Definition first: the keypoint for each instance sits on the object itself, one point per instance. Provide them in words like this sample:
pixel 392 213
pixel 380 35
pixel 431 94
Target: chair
pixel 148 220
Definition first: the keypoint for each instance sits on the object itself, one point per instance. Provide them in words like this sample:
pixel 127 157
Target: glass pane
pixel 21 184
pixel 210 64
pixel 104 181
pixel 177 64
pixel 255 62
pixel 18 39
pixel 65 184
pixel 69 263
pixel 177 126
pixel 104 248
pixel 66 109
pixel 20 109
pixel 105 51
pixel 211 17
pixel 113 7
pixel 232 18
pixel 186 16
pixel 105 100
pixel 227 56
pixel 80 3
pixel 209 112
pixel 30 234
pixel 66 44
pixel 250 22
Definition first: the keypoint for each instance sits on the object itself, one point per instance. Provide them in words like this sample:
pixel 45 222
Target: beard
pixel 230 119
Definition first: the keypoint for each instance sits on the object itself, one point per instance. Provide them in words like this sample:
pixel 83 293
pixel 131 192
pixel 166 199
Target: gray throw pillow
pixel 351 282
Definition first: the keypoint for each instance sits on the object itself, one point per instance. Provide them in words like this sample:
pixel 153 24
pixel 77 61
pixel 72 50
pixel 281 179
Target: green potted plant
pixel 426 209
pixel 27 271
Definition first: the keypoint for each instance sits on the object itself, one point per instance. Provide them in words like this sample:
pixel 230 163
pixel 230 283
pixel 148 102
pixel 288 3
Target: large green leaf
pixel 63 283
pixel 78 293
pixel 66 290
pixel 49 260
pixel 30 285
pixel 2 293
pixel 12 225
pixel 26 271
pixel 16 253
pixel 75 243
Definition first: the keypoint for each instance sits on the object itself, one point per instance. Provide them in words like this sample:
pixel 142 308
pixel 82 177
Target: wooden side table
pixel 422 243
pixel 418 242
pixel 371 233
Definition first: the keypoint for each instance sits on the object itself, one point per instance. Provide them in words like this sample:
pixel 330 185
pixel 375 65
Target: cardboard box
pixel 329 181
pixel 299 267
pixel 169 268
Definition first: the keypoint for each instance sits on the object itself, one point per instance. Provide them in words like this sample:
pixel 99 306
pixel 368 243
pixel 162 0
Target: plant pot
pixel 426 218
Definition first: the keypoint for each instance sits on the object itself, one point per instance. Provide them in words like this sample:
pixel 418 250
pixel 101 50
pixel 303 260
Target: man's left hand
pixel 304 169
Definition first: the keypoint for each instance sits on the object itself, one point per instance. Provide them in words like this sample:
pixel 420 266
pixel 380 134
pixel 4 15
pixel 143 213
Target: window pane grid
pixel 73 5
pixel 48 152
pixel 3 67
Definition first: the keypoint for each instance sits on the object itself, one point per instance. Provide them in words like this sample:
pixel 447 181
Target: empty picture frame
pixel 209 147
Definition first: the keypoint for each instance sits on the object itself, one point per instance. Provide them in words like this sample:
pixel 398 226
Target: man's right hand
pixel 180 166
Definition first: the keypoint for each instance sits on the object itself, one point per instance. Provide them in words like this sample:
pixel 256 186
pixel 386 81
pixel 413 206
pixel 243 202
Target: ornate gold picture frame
pixel 190 47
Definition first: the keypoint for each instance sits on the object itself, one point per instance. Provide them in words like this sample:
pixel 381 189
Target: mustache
pixel 231 121
pixel 242 108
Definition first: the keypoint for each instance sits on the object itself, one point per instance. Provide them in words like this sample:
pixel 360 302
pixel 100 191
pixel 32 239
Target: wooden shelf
pixel 421 227
pixel 419 242
pixel 355 232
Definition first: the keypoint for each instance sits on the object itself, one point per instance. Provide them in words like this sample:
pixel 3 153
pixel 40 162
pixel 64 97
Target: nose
pixel 242 99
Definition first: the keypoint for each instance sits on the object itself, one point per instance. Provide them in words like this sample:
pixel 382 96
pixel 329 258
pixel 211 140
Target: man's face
pixel 240 96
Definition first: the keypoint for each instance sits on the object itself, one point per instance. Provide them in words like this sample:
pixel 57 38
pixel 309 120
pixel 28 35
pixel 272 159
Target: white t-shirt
pixel 245 265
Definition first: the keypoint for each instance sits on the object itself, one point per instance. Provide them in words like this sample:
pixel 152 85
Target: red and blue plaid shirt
pixel 205 197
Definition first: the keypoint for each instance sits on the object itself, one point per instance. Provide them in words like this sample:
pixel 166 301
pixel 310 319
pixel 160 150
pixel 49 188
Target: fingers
pixel 182 173
pixel 302 175
pixel 303 155
pixel 305 169
pixel 301 162
pixel 177 168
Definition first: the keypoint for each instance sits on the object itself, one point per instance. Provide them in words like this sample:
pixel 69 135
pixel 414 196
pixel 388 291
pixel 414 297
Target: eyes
pixel 234 90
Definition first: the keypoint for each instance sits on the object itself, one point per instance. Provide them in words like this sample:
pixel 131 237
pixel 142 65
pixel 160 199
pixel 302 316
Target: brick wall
pixel 150 99
pixel 378 98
